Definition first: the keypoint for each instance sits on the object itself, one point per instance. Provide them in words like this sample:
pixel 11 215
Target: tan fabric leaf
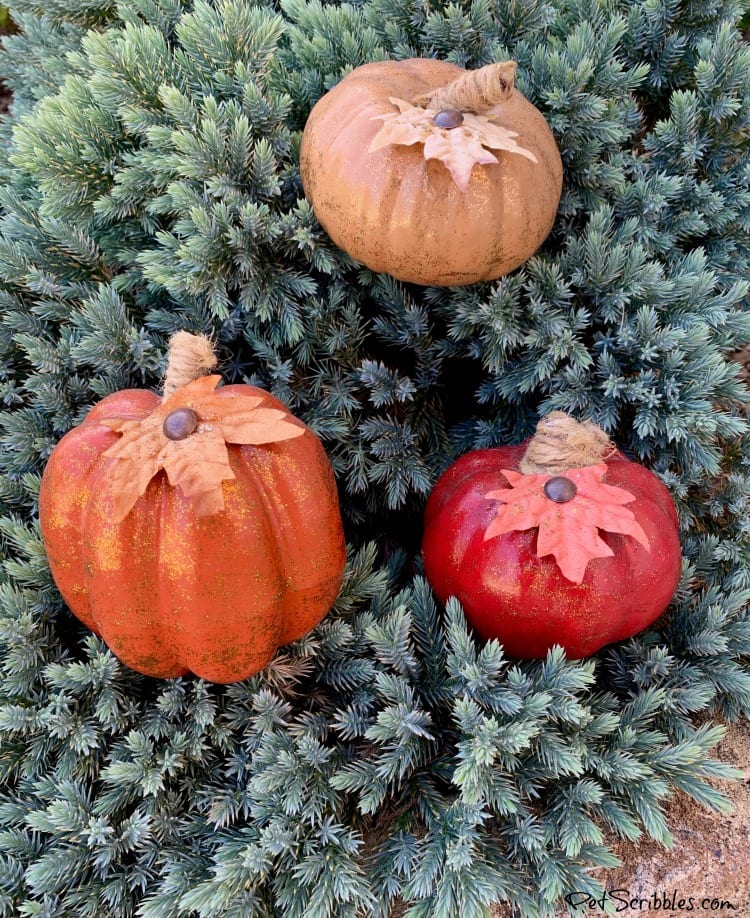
pixel 208 503
pixel 459 148
pixel 119 424
pixel 199 463
pixel 131 431
pixel 458 154
pixel 495 136
pixel 200 388
pixel 130 478
pixel 404 129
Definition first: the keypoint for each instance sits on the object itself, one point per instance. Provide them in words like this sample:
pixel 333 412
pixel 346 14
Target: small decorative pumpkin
pixel 197 532
pixel 559 540
pixel 430 173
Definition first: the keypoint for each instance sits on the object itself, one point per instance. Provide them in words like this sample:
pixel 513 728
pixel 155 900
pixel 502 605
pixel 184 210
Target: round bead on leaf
pixel 560 489
pixel 448 118
pixel 180 423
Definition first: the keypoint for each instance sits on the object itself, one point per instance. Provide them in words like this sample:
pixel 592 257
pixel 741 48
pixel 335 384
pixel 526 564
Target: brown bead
pixel 180 423
pixel 560 489
pixel 448 118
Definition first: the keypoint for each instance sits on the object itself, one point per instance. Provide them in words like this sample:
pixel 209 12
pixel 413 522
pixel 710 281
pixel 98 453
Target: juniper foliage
pixel 151 183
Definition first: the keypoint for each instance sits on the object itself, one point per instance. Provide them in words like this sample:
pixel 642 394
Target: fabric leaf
pixel 199 463
pixel 459 148
pixel 130 478
pixel 568 531
pixel 257 426
pixel 458 154
pixel 406 128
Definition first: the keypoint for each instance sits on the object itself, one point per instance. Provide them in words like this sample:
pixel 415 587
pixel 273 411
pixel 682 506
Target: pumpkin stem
pixel 476 91
pixel 190 357
pixel 561 443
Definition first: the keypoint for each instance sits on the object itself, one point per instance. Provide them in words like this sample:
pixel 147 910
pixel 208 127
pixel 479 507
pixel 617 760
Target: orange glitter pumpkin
pixel 430 173
pixel 194 533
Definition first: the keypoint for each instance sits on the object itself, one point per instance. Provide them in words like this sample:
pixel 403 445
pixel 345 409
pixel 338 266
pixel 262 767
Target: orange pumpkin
pixel 194 533
pixel 430 173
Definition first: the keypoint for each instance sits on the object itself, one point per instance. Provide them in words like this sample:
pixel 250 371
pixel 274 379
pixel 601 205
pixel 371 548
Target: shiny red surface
pixel 509 593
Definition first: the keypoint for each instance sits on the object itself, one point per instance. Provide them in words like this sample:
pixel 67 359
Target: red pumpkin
pixel 195 533
pixel 577 555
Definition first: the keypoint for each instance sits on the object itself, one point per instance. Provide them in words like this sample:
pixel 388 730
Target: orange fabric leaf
pixel 568 531
pixel 257 426
pixel 199 463
pixel 459 148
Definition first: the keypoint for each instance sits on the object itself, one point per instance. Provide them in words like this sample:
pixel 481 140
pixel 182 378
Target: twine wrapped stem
pixel 476 91
pixel 561 443
pixel 190 357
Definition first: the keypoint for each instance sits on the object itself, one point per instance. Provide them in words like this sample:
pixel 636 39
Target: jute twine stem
pixel 476 91
pixel 561 443
pixel 190 356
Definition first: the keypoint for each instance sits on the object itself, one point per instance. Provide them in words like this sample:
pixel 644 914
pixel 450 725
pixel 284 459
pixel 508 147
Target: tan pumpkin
pixel 430 173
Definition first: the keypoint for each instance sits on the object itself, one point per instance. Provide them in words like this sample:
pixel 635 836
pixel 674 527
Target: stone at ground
pixel 709 862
